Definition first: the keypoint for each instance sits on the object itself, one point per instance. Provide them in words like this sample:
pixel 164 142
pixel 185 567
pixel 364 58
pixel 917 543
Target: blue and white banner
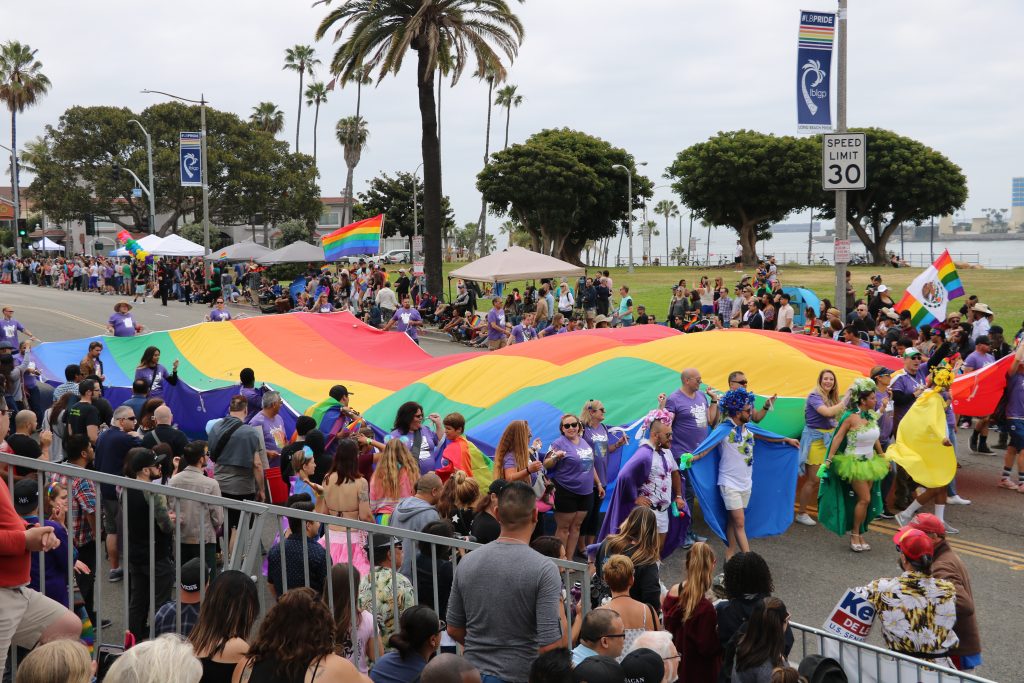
pixel 814 70
pixel 190 159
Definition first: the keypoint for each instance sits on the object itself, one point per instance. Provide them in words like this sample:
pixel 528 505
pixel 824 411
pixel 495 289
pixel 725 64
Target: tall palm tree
pixel 22 83
pixel 316 94
pixel 361 77
pixel 491 77
pixel 267 117
pixel 352 134
pixel 668 209
pixel 380 35
pixel 508 98
pixel 302 59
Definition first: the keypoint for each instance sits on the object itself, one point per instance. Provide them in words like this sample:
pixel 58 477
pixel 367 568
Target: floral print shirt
pixel 386 586
pixel 917 612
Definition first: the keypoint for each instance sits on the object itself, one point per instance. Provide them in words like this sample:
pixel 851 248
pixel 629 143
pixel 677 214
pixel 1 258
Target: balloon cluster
pixel 133 247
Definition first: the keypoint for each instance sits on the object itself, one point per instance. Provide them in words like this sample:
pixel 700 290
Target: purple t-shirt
pixel 885 419
pixel 814 419
pixel 690 424
pixel 575 471
pixel 521 333
pixel 428 444
pixel 253 401
pixel 509 463
pixel 217 315
pixel 1015 397
pixel 325 308
pixel 906 384
pixel 551 329
pixel 496 317
pixel 598 438
pixel 976 360
pixel 9 330
pixel 155 377
pixel 123 324
pixel 403 317
pixel 273 433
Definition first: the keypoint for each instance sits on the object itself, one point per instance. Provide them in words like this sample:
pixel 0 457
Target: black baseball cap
pixel 339 391
pixel 643 665
pixel 144 457
pixel 497 486
pixel 26 496
pixel 381 543
pixel 598 669
pixel 191 576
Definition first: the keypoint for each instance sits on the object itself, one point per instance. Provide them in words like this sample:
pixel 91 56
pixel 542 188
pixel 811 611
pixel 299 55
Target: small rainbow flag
pixel 355 239
pixel 927 296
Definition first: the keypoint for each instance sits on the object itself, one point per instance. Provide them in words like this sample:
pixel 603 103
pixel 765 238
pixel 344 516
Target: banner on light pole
pixel 190 159
pixel 814 71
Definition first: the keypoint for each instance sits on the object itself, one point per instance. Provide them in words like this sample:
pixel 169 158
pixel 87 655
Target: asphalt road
pixel 810 566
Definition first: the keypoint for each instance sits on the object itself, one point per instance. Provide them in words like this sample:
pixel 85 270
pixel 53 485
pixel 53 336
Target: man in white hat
pixel 982 320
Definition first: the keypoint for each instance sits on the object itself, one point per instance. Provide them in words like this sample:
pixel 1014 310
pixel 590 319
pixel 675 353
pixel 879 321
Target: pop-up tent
pixel 801 299
pixel 296 252
pixel 515 263
pixel 240 251
pixel 176 245
pixel 46 244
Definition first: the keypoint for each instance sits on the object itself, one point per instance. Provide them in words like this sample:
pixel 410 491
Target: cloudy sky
pixel 652 76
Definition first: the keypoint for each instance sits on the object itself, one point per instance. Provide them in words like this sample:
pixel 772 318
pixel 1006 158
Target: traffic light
pixel 90 224
pixel 117 171
pixel 97 246
pixel 22 228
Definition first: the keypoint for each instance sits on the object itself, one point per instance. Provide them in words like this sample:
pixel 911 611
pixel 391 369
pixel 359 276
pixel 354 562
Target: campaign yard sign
pixel 851 618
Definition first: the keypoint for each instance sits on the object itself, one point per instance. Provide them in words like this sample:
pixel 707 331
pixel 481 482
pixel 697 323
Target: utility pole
pixel 149 159
pixel 842 225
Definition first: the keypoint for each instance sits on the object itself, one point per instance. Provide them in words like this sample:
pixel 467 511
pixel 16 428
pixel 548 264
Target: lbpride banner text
pixel 814 71
pixel 190 159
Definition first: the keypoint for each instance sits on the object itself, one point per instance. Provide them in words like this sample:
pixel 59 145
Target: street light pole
pixel 629 204
pixel 842 226
pixel 149 160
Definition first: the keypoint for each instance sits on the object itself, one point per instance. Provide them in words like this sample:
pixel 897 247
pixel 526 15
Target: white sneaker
pixel 805 519
pixel 957 500
pixel 950 530
pixel 903 518
pixel 1007 484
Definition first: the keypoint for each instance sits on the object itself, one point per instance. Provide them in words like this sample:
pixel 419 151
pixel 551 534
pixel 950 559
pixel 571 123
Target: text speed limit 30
pixel 844 161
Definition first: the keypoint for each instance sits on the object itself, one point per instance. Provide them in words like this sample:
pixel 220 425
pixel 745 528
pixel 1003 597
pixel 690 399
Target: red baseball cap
pixel 913 543
pixel 928 523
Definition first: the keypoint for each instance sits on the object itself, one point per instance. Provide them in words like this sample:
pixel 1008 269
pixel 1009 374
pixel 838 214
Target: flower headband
pixel 660 414
pixel 736 400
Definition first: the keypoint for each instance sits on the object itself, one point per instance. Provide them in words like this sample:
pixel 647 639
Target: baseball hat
pixel 983 339
pixel 913 543
pixel 144 457
pixel 381 543
pixel 26 496
pixel 598 669
pixel 928 523
pixel 338 391
pixel 191 576
pixel 643 665
pixel 911 353
pixel 880 371
pixel 882 288
pixel 497 486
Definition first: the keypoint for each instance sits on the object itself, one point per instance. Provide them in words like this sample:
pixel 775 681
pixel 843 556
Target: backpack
pixel 600 593
pixel 821 669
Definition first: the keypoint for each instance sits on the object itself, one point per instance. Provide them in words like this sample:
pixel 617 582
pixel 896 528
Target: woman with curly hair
pixel 860 464
pixel 295 643
pixel 420 441
pixel 394 479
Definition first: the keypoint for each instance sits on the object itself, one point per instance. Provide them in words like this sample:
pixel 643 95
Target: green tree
pixel 748 181
pixel 517 236
pixel 194 233
pixel 380 34
pixel 352 133
pixel 392 196
pixel 22 84
pixel 301 59
pixel 294 231
pixel 316 94
pixel 561 188
pixel 508 98
pixel 249 171
pixel 908 182
pixel 266 116
pixel 668 209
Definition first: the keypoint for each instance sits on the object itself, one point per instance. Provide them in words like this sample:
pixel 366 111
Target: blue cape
pixel 770 511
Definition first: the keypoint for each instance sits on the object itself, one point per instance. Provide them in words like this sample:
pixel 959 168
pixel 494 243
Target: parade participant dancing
pixel 823 404
pixel 859 465
pixel 154 373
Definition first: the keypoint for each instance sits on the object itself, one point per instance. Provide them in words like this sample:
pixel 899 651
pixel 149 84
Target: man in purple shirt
pixel 9 328
pixel 496 336
pixel 691 415
pixel 122 324
pixel 980 357
pixel 406 319
pixel 1015 423
pixel 524 331
pixel 907 385
pixel 270 421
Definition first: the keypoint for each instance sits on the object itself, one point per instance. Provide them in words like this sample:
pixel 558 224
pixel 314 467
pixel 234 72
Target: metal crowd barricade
pixel 260 527
pixel 868 663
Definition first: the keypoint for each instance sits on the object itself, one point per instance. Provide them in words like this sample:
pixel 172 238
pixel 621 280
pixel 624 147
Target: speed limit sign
pixel 844 161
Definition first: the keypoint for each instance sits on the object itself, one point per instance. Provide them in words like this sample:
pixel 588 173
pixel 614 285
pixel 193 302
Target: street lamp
pixel 149 159
pixel 415 189
pixel 629 203
pixel 16 196
pixel 206 178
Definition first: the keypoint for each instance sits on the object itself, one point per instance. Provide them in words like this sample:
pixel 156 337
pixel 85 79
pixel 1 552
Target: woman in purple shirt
pixel 570 465
pixel 421 442
pixel 557 326
pixel 524 331
pixel 604 444
pixel 122 324
pixel 155 374
pixel 822 407
pixel 219 314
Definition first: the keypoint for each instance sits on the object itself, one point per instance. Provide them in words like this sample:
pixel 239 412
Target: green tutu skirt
pixel 836 501
pixel 852 468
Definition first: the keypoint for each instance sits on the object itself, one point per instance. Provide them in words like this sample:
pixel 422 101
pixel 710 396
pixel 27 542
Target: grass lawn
pixel 1002 290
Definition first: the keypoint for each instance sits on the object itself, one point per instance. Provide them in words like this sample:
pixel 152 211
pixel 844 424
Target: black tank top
pixel 264 672
pixel 216 672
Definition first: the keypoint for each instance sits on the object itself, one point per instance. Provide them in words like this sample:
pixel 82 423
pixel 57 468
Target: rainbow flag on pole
pixel 927 296
pixel 356 239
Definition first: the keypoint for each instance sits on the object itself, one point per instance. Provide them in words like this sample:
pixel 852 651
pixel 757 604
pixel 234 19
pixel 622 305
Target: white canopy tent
pixel 46 244
pixel 296 252
pixel 240 251
pixel 176 245
pixel 148 243
pixel 515 263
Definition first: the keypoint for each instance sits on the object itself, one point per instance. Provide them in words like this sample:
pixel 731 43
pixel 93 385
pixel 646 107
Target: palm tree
pixel 316 94
pixel 22 83
pixel 352 134
pixel 491 78
pixel 361 77
pixel 380 35
pixel 300 58
pixel 267 117
pixel 508 98
pixel 668 209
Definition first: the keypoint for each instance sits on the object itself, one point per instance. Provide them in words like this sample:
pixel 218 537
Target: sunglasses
pixel 570 425
pixel 742 382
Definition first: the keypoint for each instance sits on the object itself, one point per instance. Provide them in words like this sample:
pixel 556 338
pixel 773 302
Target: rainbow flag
pixel 356 239
pixel 927 296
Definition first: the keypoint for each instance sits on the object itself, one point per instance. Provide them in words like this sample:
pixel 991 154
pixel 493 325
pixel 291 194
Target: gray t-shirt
pixel 503 642
pixel 236 479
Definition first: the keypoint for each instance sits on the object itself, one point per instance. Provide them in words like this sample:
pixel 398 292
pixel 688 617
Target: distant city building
pixel 1017 204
